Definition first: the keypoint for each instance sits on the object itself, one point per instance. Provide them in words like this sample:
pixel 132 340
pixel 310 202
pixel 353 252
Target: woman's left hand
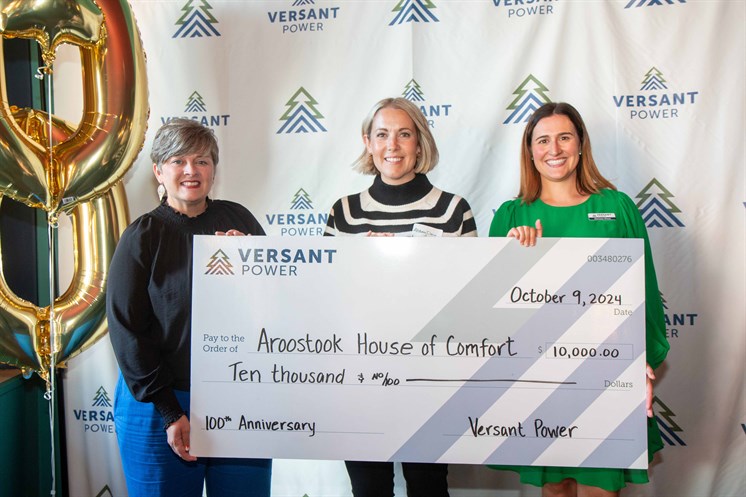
pixel 229 233
pixel 649 377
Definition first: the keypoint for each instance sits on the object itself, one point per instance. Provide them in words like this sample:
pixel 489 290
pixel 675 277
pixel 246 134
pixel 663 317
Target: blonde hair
pixel 428 158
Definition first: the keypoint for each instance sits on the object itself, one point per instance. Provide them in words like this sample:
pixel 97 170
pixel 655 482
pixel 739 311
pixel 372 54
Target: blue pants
pixel 152 469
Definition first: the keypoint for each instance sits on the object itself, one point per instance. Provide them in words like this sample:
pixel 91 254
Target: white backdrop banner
pixel 286 84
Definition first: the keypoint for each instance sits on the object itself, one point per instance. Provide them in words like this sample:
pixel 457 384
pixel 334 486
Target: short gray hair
pixel 183 137
pixel 428 158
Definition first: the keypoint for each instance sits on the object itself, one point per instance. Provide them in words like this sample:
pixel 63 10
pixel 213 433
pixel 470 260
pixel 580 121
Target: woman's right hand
pixel 526 235
pixel 373 233
pixel 178 438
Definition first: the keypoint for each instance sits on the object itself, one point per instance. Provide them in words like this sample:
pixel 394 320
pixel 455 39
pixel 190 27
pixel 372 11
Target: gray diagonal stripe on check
pixel 567 407
pixel 609 453
pixel 476 317
pixel 472 308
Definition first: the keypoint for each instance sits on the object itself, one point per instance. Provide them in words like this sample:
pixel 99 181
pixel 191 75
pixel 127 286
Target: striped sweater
pixel 396 209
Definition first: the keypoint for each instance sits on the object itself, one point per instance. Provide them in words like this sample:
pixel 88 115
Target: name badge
pixel 424 230
pixel 601 216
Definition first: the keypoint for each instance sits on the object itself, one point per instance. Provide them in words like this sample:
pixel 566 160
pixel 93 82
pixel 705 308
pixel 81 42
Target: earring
pixel 161 191
pixel 580 153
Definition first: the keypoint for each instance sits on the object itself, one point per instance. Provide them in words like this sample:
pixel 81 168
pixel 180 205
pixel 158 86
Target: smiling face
pixel 188 180
pixel 555 148
pixel 393 145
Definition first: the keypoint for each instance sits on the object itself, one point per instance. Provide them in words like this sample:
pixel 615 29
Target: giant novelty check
pixel 460 350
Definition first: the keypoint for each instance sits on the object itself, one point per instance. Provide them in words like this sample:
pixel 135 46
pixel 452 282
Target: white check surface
pixel 419 349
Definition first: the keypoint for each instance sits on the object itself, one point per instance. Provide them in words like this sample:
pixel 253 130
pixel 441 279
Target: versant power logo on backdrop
pixel 413 11
pixel 633 4
pixel 413 93
pixel 655 100
pixel 303 16
pixel 670 430
pixel 196 21
pixel 302 115
pixel 196 109
pixel 300 220
pixel 677 323
pixel 98 418
pixel 219 263
pixel 529 96
pixel 657 208
pixel 524 8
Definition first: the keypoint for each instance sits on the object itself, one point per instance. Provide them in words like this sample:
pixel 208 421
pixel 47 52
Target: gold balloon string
pixel 54 339
pixel 49 395
pixel 40 71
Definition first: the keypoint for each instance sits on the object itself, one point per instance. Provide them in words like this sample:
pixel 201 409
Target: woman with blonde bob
pixel 562 194
pixel 426 160
pixel 399 151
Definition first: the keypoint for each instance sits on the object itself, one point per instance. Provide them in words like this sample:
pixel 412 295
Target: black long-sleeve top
pixel 149 298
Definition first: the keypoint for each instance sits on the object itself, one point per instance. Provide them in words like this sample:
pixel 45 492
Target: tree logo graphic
pixel 656 207
pixel 530 95
pixel 302 115
pixel 670 430
pixel 663 300
pixel 413 92
pixel 101 399
pixel 653 81
pixel 195 103
pixel 219 264
pixel 105 492
pixel 649 3
pixel 196 21
pixel 301 200
pixel 413 11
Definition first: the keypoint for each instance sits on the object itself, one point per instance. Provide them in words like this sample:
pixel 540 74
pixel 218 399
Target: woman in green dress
pixel 562 194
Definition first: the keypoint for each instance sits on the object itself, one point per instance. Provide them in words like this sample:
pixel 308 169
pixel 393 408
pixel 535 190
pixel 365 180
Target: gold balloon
pixel 22 164
pixel 27 338
pixel 115 110
pixel 77 170
pixel 52 22
pixel 79 315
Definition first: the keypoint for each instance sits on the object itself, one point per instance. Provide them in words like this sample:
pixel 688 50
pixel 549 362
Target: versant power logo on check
pixel 219 263
pixel 272 261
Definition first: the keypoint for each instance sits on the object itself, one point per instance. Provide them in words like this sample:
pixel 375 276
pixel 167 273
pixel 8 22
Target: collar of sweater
pixel 400 194
pixel 168 213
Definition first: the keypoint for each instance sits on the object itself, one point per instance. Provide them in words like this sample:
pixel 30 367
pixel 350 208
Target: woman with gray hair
pixel 148 302
pixel 399 151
